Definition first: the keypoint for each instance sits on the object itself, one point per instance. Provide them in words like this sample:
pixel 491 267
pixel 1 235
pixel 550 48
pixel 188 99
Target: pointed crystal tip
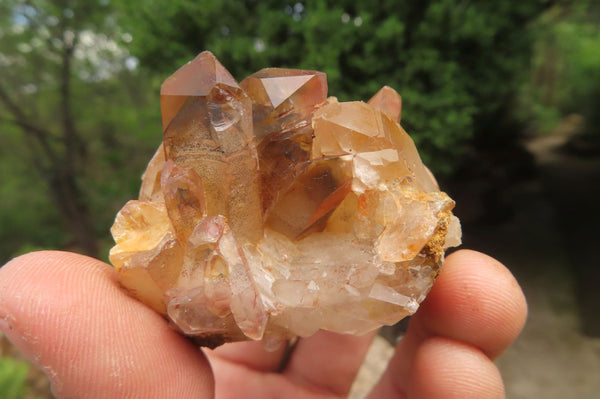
pixel 272 211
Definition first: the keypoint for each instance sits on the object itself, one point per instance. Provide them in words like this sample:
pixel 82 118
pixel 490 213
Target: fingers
pixel 444 368
pixel 475 302
pixel 323 365
pixel 328 362
pixel 68 314
pixel 249 354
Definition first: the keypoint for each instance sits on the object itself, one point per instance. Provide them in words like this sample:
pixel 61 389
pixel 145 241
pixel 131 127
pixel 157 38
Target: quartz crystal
pixel 271 211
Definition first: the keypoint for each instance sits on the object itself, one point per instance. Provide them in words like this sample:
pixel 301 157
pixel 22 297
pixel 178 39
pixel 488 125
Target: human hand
pixel 68 314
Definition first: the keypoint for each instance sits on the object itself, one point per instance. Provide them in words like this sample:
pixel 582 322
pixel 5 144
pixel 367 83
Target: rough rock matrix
pixel 271 211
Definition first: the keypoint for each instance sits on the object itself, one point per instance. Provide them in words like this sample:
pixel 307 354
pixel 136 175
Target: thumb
pixel 67 313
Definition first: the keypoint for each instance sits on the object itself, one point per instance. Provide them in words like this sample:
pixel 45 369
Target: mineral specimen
pixel 271 211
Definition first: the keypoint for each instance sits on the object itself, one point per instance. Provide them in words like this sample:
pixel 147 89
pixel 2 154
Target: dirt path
pixel 551 358
pixel 548 245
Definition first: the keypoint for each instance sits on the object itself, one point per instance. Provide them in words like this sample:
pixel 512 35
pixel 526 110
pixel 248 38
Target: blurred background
pixel 502 99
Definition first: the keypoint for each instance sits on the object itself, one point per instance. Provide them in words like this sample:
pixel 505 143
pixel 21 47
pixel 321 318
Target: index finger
pixel 476 304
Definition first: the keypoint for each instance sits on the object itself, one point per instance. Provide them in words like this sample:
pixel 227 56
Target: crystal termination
pixel 271 211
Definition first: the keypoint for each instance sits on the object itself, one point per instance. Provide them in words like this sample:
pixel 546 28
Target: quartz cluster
pixel 272 211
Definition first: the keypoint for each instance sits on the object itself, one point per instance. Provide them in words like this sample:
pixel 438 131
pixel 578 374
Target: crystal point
pixel 272 211
pixel 389 102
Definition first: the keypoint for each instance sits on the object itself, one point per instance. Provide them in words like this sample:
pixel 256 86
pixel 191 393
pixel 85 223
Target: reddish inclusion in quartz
pixel 271 211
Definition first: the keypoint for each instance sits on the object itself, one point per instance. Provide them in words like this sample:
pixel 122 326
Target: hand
pixel 68 314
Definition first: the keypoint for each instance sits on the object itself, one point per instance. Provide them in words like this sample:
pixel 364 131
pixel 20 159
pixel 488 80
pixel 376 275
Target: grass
pixel 13 375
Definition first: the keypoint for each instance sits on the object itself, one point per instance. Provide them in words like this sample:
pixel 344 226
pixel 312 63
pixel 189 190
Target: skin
pixel 68 314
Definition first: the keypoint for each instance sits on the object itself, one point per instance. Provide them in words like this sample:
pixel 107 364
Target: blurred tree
pixel 458 64
pixel 565 75
pixel 79 117
pixel 60 64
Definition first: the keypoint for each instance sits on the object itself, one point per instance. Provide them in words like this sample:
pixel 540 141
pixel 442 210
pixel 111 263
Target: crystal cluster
pixel 271 211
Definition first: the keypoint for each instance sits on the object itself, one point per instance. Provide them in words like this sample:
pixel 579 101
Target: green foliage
pixel 566 67
pixel 117 131
pixel 26 218
pixel 580 47
pixel 13 375
pixel 457 64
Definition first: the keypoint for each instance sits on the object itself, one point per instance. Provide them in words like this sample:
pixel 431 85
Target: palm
pixel 323 366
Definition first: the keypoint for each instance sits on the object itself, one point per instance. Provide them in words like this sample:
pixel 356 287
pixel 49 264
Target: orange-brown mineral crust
pixel 271 211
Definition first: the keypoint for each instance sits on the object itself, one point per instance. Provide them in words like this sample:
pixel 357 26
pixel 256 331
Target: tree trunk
pixel 58 157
